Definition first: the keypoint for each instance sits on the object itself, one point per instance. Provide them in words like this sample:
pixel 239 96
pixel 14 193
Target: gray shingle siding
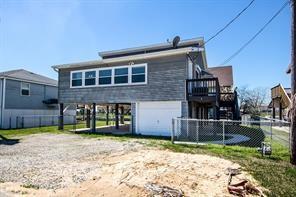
pixel 166 82
pixel 38 93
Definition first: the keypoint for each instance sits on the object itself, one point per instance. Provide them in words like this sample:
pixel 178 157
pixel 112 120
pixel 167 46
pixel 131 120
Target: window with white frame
pixel 111 76
pixel 25 89
pixel 76 79
pixel 138 74
pixel 90 78
pixel 121 75
pixel 105 77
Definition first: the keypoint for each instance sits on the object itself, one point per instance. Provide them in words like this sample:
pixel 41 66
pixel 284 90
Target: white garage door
pixel 155 118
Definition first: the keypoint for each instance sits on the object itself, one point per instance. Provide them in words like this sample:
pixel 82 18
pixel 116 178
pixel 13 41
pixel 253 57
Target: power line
pixel 253 37
pixel 222 29
pixel 229 23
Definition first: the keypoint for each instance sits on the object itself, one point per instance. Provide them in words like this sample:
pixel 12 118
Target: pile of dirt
pixel 128 174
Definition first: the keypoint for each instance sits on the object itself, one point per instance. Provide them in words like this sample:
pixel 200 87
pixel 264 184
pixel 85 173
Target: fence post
pixel 271 129
pixel 10 122
pixel 173 131
pixel 23 124
pixel 74 123
pixel 197 131
pixel 187 127
pixel 39 121
pixel 223 134
pixel 16 122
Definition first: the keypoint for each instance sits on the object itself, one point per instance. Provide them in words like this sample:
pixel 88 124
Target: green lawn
pixel 274 173
pixel 46 129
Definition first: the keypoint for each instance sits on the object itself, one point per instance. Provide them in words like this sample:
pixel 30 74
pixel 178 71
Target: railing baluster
pixel 202 87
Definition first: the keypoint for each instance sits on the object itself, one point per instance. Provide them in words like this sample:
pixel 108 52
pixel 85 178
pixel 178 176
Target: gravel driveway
pixel 55 161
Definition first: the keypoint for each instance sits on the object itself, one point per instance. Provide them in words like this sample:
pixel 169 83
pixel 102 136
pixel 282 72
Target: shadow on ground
pixel 6 141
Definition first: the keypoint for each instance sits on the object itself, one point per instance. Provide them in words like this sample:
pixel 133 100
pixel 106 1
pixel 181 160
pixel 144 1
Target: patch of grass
pixel 12 133
pixel 28 131
pixel 275 173
pixel 30 186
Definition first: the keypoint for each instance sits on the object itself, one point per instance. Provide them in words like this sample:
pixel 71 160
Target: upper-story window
pixel 121 75
pixel 110 76
pixel 138 74
pixel 90 78
pixel 25 89
pixel 105 77
pixel 77 79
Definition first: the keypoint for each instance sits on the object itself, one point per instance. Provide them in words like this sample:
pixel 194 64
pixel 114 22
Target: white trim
pixel 137 118
pixel 21 88
pixel 112 76
pixel 130 58
pixel 190 68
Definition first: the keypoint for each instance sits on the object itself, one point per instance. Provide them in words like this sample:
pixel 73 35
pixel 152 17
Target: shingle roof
pixel 224 74
pixel 22 74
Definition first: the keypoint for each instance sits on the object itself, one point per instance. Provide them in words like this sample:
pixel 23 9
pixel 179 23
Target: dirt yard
pixel 70 165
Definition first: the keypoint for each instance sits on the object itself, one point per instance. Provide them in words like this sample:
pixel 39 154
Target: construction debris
pixel 242 188
pixel 163 191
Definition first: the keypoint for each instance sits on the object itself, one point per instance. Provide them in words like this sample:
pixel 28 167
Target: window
pixel 105 77
pixel 121 75
pixel 110 76
pixel 77 79
pixel 90 78
pixel 138 74
pixel 25 89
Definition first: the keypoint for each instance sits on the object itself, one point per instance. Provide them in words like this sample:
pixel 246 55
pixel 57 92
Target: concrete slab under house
pixel 157 82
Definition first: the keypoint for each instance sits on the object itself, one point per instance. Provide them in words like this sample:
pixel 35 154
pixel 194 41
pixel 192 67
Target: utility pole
pixel 293 84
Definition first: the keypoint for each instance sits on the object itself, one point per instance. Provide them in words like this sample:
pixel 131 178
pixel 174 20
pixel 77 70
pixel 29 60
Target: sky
pixel 35 35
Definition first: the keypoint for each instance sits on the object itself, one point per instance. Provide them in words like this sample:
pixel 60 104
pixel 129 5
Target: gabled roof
pixel 223 73
pixel 24 75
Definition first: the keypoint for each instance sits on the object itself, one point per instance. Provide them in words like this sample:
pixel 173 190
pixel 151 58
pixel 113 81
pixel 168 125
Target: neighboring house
pixel 23 96
pixel 280 101
pixel 159 82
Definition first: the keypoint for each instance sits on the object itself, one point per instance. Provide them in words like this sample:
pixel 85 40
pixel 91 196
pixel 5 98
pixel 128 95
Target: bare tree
pixel 251 100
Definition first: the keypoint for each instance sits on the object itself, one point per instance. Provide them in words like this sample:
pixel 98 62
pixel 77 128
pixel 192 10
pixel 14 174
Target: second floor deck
pixel 203 90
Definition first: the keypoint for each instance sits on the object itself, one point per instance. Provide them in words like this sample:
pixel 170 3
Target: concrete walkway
pixel 108 129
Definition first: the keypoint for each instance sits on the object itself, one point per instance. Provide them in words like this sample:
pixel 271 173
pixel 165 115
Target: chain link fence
pixel 72 122
pixel 30 121
pixel 249 133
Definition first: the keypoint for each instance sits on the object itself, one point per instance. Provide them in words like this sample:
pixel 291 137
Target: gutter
pixel 130 58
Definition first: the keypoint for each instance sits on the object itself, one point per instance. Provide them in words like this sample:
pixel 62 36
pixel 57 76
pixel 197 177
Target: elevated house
pixel 280 101
pixel 158 82
pixel 24 96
